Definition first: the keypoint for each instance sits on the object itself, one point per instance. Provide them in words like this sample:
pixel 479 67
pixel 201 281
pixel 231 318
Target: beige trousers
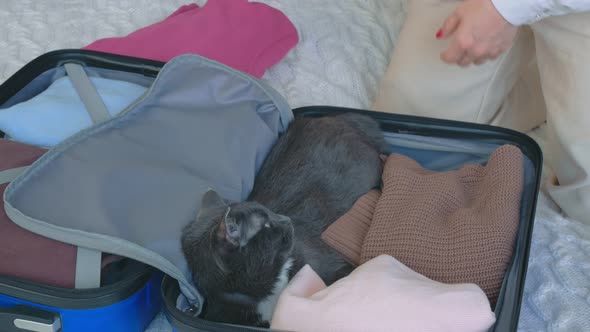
pixel 545 76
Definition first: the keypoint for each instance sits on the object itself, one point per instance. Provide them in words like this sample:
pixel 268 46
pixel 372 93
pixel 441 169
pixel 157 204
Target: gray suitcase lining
pixel 200 125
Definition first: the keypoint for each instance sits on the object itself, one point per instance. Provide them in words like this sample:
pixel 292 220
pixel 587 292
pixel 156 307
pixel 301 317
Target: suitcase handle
pixel 24 318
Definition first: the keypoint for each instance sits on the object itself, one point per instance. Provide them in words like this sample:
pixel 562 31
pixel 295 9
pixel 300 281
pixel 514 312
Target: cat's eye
pixel 267 225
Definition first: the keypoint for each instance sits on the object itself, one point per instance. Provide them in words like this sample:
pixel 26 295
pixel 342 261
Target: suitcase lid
pixel 129 185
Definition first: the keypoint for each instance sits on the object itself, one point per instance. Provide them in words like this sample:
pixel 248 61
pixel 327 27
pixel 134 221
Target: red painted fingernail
pixel 439 34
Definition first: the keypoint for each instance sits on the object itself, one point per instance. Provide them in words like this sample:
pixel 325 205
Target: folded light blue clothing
pixel 58 112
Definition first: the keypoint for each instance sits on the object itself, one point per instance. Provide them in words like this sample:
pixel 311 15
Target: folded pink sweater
pixel 247 36
pixel 380 295
pixel 453 227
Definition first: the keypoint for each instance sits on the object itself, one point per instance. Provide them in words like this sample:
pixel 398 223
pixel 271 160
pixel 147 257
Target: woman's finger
pixel 481 61
pixel 465 60
pixel 461 44
pixel 449 27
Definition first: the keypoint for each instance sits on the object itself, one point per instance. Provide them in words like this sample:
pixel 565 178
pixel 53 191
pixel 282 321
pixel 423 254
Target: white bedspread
pixel 345 47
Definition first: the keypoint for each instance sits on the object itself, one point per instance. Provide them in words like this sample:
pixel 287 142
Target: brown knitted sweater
pixel 453 227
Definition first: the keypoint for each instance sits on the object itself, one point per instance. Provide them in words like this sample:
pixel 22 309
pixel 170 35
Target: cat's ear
pixel 212 201
pixel 229 230
pixel 238 234
pixel 212 205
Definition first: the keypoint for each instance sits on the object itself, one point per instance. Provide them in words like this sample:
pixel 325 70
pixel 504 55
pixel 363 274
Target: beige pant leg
pixel 524 108
pixel 563 54
pixel 417 82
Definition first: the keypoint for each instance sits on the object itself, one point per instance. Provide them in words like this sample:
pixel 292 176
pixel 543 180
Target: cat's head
pixel 236 251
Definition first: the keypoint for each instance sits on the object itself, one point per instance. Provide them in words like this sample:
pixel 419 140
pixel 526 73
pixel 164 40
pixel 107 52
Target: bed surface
pixel 344 49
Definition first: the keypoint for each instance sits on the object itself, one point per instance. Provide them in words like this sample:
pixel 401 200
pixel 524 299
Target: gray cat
pixel 242 255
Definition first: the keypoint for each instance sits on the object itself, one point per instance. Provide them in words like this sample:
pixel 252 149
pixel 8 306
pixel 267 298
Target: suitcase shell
pixel 507 309
pixel 127 304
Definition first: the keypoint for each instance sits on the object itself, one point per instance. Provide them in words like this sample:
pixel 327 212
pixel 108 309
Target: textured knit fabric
pixel 453 227
pixel 380 295
pixel 244 35
pixel 348 233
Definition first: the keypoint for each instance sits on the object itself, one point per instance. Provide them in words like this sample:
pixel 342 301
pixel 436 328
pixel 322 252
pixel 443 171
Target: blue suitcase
pixel 128 305
pixel 130 299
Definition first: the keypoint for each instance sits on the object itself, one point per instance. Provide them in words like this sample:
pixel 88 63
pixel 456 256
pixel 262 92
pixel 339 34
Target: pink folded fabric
pixel 380 295
pixel 247 36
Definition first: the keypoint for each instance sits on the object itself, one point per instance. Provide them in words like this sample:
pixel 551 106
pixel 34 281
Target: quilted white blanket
pixel 345 48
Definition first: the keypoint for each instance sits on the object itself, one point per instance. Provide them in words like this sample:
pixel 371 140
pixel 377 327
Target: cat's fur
pixel 242 255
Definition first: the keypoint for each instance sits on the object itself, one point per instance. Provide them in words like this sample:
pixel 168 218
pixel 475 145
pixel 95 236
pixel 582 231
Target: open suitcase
pixel 436 144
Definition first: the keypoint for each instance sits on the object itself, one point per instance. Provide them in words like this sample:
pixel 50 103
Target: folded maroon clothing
pixel 26 255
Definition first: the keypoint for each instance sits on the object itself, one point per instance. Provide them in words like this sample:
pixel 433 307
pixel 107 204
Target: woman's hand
pixel 480 33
